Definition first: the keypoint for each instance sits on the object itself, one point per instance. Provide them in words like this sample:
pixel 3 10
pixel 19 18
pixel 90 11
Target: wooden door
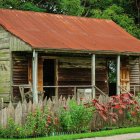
pixel 40 74
pixel 125 80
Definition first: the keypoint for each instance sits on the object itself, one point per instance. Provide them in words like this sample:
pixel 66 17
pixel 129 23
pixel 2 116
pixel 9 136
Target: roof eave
pixel 111 52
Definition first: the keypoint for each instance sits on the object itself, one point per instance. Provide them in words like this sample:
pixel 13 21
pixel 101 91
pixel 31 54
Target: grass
pixel 93 134
pixel 90 135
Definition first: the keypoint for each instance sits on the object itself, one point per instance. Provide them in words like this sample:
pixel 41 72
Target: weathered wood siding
pixel 8 43
pixel 4 64
pixel 20 70
pixel 17 44
pixel 77 71
pixel 102 74
pixel 134 63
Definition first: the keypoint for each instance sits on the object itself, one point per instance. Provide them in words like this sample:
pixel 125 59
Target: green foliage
pixel 20 5
pixel 31 7
pixel 36 124
pixel 15 4
pixel 76 118
pixel 112 71
pixel 11 131
pixel 71 7
pixel 117 14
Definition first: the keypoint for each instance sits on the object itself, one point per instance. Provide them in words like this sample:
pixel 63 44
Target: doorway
pixel 49 77
pixel 112 76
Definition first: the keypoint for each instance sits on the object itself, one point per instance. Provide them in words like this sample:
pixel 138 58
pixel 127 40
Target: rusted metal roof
pixel 52 31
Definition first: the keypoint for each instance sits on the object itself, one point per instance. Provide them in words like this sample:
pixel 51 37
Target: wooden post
pixel 118 74
pixel 56 78
pixel 93 75
pixel 134 90
pixel 35 76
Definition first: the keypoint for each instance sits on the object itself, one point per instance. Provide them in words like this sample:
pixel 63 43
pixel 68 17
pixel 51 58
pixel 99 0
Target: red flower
pixel 65 107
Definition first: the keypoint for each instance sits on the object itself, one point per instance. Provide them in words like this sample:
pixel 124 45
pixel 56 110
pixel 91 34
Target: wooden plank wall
pixel 134 63
pixel 20 70
pixel 102 74
pixel 17 44
pixel 77 71
pixel 4 65
pixel 8 43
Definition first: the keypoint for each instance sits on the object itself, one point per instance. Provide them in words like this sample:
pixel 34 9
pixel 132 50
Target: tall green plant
pixel 76 117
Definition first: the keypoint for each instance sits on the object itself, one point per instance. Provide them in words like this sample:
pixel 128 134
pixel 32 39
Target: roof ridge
pixel 55 14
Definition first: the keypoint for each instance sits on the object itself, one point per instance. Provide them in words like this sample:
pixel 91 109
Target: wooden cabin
pixel 64 55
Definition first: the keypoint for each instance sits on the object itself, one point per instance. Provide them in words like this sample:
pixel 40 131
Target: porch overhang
pixel 88 52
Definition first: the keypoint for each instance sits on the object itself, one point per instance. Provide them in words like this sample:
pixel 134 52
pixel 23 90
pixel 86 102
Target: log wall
pixel 20 71
pixel 77 71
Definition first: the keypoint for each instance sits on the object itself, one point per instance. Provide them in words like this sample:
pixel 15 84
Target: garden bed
pixel 72 118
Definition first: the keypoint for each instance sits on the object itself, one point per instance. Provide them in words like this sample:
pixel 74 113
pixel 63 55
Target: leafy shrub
pixel 116 106
pixel 40 123
pixel 11 131
pixel 36 124
pixel 75 117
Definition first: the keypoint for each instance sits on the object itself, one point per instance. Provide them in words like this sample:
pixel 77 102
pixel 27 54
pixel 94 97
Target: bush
pixel 75 118
pixel 11 131
pixel 36 124
pixel 116 106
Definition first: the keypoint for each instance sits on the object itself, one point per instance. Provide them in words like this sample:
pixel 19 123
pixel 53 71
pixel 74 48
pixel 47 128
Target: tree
pixel 20 5
pixel 118 15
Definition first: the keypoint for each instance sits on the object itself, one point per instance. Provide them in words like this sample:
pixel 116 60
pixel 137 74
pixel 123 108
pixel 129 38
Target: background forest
pixel 126 13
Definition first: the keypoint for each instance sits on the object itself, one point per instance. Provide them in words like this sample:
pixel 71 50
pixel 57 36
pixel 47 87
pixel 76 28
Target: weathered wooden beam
pixel 93 75
pixel 4 59
pixel 35 76
pixel 56 77
pixel 89 52
pixel 118 74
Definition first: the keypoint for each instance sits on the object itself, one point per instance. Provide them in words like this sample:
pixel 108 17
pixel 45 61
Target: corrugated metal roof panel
pixel 52 31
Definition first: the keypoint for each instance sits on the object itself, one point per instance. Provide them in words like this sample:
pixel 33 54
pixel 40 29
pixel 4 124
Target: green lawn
pixel 93 134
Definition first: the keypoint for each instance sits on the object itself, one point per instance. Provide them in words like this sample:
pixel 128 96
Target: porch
pixel 82 75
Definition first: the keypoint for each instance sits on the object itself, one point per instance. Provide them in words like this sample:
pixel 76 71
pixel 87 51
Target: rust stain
pixel 52 31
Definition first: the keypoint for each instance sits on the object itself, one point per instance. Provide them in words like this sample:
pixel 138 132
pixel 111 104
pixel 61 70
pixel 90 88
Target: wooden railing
pixel 133 87
pixel 75 87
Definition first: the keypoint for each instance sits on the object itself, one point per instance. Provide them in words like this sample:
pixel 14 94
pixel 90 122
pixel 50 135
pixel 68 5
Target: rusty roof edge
pixel 122 30
pixel 90 52
pixel 56 14
pixel 8 30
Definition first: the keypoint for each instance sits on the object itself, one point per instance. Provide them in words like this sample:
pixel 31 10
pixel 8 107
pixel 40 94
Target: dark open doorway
pixel 49 77
pixel 112 74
